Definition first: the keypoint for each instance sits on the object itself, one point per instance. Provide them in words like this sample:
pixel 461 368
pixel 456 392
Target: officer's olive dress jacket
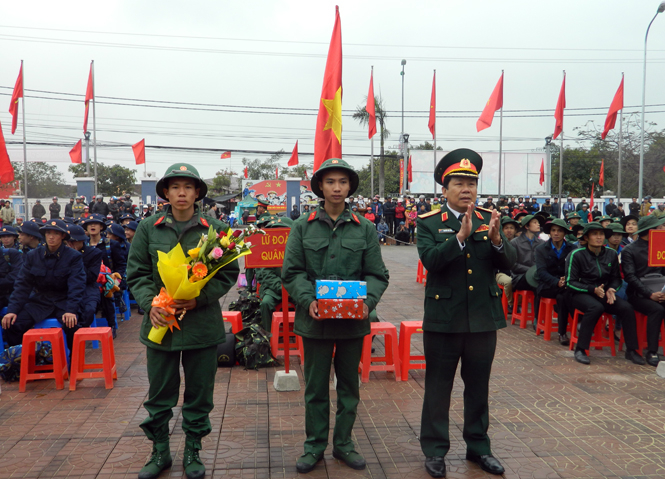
pixel 461 294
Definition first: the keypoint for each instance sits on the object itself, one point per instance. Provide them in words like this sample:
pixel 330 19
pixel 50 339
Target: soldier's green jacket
pixel 347 249
pixel 203 326
pixel 461 294
pixel 271 282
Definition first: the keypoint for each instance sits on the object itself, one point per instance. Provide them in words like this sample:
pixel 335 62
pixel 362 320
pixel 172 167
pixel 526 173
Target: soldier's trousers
pixel 655 313
pixel 200 367
pixel 442 353
pixel 318 357
pixel 267 307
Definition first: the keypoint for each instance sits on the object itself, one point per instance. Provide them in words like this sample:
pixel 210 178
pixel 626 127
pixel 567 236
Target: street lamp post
pixel 87 153
pixel 402 141
pixel 661 9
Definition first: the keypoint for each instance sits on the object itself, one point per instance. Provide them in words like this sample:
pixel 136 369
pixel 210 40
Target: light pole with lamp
pixel 661 9
pixel 401 139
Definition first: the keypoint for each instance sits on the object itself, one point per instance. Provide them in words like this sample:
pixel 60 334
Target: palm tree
pixel 363 118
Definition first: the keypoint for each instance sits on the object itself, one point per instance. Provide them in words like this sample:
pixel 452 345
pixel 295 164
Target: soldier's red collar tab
pixel 444 216
pixel 204 222
pixel 478 215
pixel 312 216
pixel 355 218
pixel 160 220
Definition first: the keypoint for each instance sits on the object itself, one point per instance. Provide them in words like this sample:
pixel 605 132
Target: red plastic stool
pixel 391 358
pixel 276 346
pixel 421 273
pixel 406 330
pixel 504 301
pixel 546 317
pixel 524 316
pixel 30 371
pixel 79 367
pixel 641 322
pixel 235 318
pixel 599 339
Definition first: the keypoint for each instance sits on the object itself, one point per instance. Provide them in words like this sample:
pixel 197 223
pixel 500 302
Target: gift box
pixel 341 308
pixel 331 289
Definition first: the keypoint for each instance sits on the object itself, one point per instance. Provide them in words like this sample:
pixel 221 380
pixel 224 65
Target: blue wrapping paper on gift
pixel 334 289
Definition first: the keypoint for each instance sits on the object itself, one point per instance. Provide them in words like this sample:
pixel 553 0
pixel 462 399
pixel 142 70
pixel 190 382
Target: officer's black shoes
pixel 510 309
pixel 194 468
pixel 159 460
pixel 653 359
pixel 350 458
pixel 435 466
pixel 564 340
pixel 487 463
pixel 581 357
pixel 634 356
pixel 307 462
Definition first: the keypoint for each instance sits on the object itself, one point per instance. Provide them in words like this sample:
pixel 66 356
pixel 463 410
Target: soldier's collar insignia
pixel 204 222
pixel 482 228
pixel 355 218
pixel 312 216
pixel 444 216
pixel 159 220
pixel 479 215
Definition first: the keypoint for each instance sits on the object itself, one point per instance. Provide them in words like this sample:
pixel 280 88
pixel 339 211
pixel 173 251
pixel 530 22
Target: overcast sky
pixel 258 68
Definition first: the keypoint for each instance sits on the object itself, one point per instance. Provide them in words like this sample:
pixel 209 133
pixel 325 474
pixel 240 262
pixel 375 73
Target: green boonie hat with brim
pixel 460 162
pixel 576 228
pixel 594 226
pixel 265 219
pixel 625 219
pixel 573 216
pixel 525 221
pixel 332 164
pixel 182 170
pixel 263 202
pixel 531 277
pixel 650 222
pixel 616 219
pixel 507 220
pixel 556 222
pixel 280 222
pixel 617 228
pixel 604 218
pixel 520 215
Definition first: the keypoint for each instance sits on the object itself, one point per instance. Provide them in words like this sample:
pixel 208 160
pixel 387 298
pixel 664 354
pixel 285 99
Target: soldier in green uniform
pixel 573 220
pixel 460 246
pixel 270 279
pixel 201 330
pixel 331 242
pixel 262 217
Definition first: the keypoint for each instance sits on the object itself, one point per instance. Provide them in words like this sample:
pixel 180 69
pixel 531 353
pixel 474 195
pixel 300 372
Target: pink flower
pixel 216 253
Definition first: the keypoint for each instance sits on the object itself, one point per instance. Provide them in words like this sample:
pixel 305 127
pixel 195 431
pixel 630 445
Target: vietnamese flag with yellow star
pixel 328 138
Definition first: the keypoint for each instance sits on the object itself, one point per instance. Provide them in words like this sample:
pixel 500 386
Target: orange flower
pixel 200 270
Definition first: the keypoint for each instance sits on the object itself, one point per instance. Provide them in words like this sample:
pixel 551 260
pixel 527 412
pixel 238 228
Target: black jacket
pixel 389 208
pixel 526 254
pixel 549 267
pixel 54 209
pixel 634 263
pixel 100 207
pixel 585 271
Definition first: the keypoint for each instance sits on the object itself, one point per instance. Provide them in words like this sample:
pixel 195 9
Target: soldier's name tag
pixel 446 230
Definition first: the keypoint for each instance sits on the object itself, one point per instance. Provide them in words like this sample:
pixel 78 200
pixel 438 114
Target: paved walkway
pixel 550 417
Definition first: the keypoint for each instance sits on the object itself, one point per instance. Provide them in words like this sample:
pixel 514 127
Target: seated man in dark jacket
pixel 635 265
pixel 51 284
pixel 11 261
pixel 525 245
pixel 551 271
pixel 92 263
pixel 593 277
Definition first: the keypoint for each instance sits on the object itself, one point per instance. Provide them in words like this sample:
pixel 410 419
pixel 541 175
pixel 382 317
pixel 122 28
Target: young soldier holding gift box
pixel 331 242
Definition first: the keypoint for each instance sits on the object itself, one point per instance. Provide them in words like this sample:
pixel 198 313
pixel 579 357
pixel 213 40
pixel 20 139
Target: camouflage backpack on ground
pixel 253 347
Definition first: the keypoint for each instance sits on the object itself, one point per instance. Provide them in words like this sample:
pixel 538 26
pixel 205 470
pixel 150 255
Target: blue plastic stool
pixel 98 323
pixel 128 312
pixel 3 311
pixel 53 323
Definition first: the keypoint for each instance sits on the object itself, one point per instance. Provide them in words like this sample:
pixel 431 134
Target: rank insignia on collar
pixel 204 222
pixel 479 215
pixel 446 230
pixel 444 216
pixel 312 215
pixel 355 218
pixel 159 220
pixel 482 228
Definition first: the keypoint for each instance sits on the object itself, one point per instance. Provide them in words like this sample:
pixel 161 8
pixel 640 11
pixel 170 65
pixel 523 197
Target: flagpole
pixel 371 161
pixel 561 158
pixel 94 123
pixel 25 151
pixel 620 144
pixel 434 134
pixel 500 140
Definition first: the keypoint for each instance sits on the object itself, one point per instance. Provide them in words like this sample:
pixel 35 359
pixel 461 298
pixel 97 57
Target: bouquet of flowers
pixel 184 276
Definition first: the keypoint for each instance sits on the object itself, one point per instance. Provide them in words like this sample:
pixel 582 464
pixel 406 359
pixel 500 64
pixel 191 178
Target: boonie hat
pixel 330 164
pixel 55 225
pixel 181 170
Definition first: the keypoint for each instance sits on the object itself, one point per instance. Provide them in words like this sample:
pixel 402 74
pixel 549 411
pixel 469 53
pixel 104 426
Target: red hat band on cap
pixel 463 168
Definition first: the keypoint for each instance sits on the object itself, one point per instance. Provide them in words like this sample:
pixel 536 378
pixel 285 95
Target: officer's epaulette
pixel 160 220
pixel 355 218
pixel 484 209
pixel 312 216
pixel 428 214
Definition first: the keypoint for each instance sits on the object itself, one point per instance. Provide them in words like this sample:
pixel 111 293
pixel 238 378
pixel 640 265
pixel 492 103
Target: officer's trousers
pixel 442 353
pixel 655 312
pixel 593 307
pixel 200 367
pixel 318 356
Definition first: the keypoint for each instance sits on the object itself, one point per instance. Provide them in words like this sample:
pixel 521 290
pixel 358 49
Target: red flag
pixel 615 106
pixel 306 177
pixel 432 108
pixel 590 216
pixel 18 93
pixel 493 104
pixel 277 172
pixel 246 172
pixel 139 152
pixel 293 161
pixel 226 154
pixel 75 153
pixel 6 169
pixel 371 107
pixel 410 170
pixel 89 95
pixel 401 173
pixel 542 171
pixel 558 113
pixel 328 136
pixel 601 178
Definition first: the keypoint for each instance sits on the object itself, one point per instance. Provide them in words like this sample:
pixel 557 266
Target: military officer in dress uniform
pixel 460 246
pixel 51 283
pixel 331 242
